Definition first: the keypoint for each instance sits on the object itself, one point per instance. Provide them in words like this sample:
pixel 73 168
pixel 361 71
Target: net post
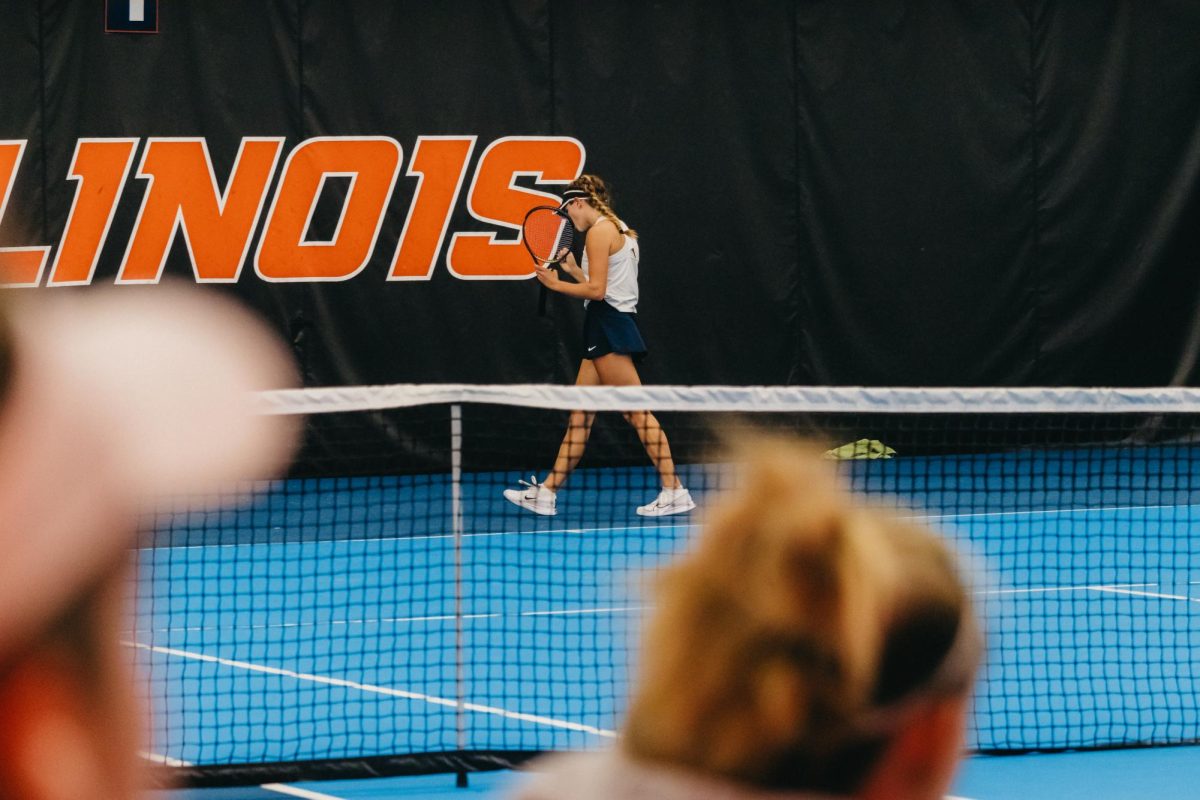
pixel 456 528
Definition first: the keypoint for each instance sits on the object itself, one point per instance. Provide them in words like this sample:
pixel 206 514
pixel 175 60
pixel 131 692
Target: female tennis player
pixel 806 648
pixel 607 281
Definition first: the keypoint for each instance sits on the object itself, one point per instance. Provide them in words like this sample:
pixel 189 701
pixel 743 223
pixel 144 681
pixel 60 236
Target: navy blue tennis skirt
pixel 606 330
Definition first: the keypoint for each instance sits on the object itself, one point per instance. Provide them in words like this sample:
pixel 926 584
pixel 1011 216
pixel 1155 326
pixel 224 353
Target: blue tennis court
pixel 296 650
pixel 354 623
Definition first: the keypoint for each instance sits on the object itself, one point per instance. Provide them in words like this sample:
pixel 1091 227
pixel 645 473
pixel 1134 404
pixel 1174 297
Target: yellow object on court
pixel 863 448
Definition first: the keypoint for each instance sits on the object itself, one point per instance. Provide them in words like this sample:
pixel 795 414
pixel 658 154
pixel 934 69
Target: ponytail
pixel 599 199
pixel 769 641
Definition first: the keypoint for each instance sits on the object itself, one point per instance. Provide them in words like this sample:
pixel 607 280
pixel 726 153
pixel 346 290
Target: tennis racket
pixel 546 233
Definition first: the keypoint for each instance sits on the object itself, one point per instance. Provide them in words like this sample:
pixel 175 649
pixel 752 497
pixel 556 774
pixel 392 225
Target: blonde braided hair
pixel 600 199
pixel 779 632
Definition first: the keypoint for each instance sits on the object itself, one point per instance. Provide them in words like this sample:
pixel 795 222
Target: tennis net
pixel 385 610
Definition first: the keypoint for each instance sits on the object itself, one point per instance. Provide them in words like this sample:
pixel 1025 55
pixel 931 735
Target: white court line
pixel 373 689
pixel 331 623
pixel 1044 511
pixel 424 537
pixel 609 529
pixel 1160 595
pixel 295 791
pixel 574 611
pixel 1049 589
pixel 1115 587
pixel 564 612
pixel 166 761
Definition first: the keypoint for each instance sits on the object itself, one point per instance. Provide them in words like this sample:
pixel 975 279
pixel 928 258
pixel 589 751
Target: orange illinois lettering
pixel 495 198
pixel 100 167
pixel 183 194
pixel 441 163
pixel 284 253
pixel 19 266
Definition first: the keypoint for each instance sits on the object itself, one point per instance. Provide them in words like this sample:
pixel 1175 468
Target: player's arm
pixel 595 285
pixel 571 268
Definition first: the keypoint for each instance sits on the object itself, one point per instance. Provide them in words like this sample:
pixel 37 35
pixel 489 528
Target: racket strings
pixel 546 234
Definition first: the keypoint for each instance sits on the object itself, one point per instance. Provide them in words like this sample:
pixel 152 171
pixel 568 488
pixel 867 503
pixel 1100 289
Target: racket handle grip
pixel 542 301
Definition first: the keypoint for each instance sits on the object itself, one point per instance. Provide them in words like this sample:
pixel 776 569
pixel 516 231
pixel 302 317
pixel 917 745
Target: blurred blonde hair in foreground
pixel 111 401
pixel 807 645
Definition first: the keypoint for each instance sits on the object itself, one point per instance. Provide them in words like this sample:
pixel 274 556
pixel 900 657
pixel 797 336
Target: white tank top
pixel 622 290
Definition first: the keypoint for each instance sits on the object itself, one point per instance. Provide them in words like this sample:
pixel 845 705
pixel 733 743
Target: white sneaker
pixel 669 501
pixel 534 497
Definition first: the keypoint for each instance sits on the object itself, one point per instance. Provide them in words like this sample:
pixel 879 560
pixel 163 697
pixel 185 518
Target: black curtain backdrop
pixel 879 192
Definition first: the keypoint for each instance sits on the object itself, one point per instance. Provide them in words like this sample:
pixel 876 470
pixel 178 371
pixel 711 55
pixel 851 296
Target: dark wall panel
pixel 692 117
pixel 828 191
pixel 409 69
pixel 25 220
pixel 1119 167
pixel 917 193
pixel 218 70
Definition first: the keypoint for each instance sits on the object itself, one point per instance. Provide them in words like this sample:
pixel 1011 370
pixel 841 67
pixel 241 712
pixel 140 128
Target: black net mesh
pixel 387 608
